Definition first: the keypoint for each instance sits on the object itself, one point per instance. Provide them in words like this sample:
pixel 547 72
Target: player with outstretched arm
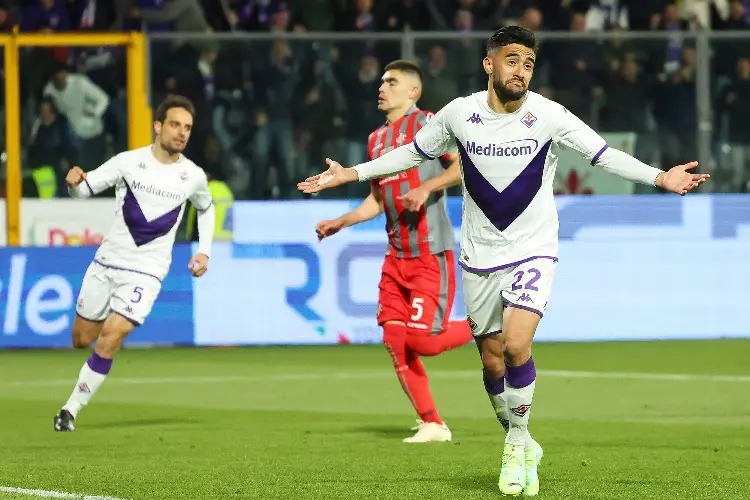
pixel 152 185
pixel 508 140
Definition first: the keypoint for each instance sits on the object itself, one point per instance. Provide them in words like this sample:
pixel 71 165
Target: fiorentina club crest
pixel 528 119
pixel 521 410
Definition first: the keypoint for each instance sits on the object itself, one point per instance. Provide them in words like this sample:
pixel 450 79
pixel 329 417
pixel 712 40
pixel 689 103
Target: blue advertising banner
pixel 39 288
pixel 631 267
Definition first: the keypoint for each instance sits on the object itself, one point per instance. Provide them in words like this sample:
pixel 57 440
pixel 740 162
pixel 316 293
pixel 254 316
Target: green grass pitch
pixel 327 423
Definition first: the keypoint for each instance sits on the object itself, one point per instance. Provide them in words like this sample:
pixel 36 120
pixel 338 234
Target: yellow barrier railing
pixel 139 112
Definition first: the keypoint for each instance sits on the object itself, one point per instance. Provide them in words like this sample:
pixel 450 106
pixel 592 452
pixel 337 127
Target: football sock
pixel 420 388
pixel 410 372
pixel 495 389
pixel 519 393
pixel 91 377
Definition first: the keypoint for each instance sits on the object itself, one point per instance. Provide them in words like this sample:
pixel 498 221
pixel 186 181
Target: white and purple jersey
pixel 508 164
pixel 150 201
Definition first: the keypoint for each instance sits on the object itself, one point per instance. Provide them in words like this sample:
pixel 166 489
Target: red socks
pixel 410 372
pixel 457 334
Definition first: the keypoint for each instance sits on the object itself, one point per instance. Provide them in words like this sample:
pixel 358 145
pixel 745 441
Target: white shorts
pixel 106 289
pixel 526 285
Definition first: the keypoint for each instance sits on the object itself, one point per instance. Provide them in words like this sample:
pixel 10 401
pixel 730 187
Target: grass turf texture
pixel 327 423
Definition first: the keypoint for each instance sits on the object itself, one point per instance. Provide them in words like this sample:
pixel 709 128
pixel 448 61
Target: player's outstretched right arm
pixel 433 140
pixel 371 207
pixel 395 161
pixel 86 184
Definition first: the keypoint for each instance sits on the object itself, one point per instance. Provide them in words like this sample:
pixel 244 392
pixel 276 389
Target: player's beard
pixel 504 93
pixel 171 151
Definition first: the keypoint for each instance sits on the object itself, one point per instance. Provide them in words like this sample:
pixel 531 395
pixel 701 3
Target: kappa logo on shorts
pixel 80 302
pixel 379 310
pixel 521 410
pixel 525 297
pixel 472 324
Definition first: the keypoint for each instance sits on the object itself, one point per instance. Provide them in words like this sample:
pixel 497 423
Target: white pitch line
pixel 53 494
pixel 444 374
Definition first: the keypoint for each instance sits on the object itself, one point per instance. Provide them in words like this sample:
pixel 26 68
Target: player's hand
pixel 336 175
pixel 198 265
pixel 328 228
pixel 679 180
pixel 414 199
pixel 75 176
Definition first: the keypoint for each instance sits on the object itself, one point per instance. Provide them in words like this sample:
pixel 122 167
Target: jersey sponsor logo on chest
pixel 521 147
pixel 140 187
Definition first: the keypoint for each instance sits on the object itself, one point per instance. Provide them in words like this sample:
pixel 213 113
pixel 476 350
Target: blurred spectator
pixel 159 15
pixel 83 103
pixel 320 111
pixel 532 19
pixel 440 87
pixel 50 144
pixel 274 137
pixel 362 104
pixel 734 105
pixel 671 22
pixel 576 71
pixel 45 15
pixel 676 113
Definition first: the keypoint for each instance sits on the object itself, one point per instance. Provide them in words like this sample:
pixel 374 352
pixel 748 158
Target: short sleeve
pixel 106 175
pixel 201 199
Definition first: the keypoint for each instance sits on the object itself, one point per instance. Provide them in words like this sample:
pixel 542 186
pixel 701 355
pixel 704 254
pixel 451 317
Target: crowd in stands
pixel 270 110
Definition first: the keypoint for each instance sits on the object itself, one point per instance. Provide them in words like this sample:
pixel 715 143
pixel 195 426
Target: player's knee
pixel 79 341
pixel 493 365
pixel 394 332
pixel 114 332
pixel 84 332
pixel 516 348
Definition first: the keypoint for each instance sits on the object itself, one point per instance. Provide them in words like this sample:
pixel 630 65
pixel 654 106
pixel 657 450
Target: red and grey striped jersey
pixel 411 234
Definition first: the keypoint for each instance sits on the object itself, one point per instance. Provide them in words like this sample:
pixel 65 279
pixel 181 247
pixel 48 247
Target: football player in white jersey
pixel 152 185
pixel 508 140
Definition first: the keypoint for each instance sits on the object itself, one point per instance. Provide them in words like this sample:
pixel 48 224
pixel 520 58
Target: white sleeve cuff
pixel 82 190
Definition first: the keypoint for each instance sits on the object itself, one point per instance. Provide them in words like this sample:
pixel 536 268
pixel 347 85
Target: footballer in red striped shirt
pixel 418 281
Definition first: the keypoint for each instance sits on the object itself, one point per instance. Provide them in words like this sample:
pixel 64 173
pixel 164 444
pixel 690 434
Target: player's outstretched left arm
pixel 675 180
pixel 572 132
pixel 204 205
pixel 414 199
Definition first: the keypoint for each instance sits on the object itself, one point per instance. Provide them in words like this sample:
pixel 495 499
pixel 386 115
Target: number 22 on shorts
pixel 535 275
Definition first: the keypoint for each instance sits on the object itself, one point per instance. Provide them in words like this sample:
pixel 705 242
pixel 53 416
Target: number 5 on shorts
pixel 416 303
pixel 137 295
